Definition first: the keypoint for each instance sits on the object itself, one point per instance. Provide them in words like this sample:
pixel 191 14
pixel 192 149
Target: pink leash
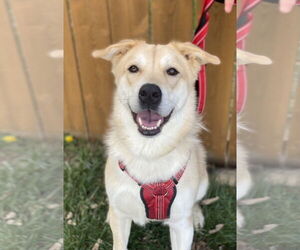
pixel 199 40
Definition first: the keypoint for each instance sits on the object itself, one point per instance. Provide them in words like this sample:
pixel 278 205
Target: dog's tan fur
pixel 156 158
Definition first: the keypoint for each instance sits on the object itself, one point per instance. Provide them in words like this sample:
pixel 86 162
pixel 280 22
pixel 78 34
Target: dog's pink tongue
pixel 149 118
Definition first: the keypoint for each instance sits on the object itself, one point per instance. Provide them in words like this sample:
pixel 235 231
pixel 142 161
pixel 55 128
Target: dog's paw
pixel 198 218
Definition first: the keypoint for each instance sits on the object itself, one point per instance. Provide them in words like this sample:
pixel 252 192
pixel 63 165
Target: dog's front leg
pixel 182 233
pixel 120 227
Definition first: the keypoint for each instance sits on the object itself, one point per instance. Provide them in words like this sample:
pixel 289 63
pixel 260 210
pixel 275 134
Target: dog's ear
pixel 244 57
pixel 116 50
pixel 194 54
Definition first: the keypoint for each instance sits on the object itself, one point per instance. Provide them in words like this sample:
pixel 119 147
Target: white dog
pixel 156 167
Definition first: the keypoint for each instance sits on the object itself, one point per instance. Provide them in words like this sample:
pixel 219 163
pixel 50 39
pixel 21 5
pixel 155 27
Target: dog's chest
pixel 128 202
pixel 128 198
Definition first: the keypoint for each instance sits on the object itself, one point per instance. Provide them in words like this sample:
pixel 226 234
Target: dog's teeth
pixel 149 128
pixel 158 123
pixel 140 121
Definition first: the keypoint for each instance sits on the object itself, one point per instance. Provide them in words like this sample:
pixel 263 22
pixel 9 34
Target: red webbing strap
pixel 158 199
pixel 199 40
pixel 178 175
pixel 176 178
pixel 123 168
pixel 249 4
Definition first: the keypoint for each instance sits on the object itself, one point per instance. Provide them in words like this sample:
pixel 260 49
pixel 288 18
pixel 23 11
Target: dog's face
pixel 154 81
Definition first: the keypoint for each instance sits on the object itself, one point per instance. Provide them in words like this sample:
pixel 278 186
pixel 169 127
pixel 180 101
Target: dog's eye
pixel 133 69
pixel 172 71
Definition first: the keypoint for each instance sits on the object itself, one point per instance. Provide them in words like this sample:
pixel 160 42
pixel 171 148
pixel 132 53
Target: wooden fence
pixel 31 80
pixel 31 85
pixel 272 112
pixel 95 24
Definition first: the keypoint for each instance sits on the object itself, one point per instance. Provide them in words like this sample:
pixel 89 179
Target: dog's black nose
pixel 150 96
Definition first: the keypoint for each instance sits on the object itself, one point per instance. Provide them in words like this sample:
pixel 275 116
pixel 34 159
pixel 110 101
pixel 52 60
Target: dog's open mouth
pixel 149 122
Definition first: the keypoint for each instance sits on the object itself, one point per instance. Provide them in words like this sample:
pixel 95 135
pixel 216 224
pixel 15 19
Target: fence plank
pixel 232 143
pixel 74 113
pixel 91 31
pixel 219 80
pixel 40 30
pixel 128 19
pixel 293 146
pixel 270 86
pixel 231 153
pixel 16 110
pixel 172 20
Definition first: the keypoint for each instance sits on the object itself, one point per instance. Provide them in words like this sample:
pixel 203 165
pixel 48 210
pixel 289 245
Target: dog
pixel 156 165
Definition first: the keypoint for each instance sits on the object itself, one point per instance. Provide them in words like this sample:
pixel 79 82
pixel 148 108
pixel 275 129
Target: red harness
pixel 157 197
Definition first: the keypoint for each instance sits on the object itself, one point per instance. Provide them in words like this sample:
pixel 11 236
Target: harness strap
pixel 175 178
pixel 123 168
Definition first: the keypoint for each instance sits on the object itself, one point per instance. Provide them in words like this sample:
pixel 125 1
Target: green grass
pixel 84 186
pixel 31 187
pixel 282 209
